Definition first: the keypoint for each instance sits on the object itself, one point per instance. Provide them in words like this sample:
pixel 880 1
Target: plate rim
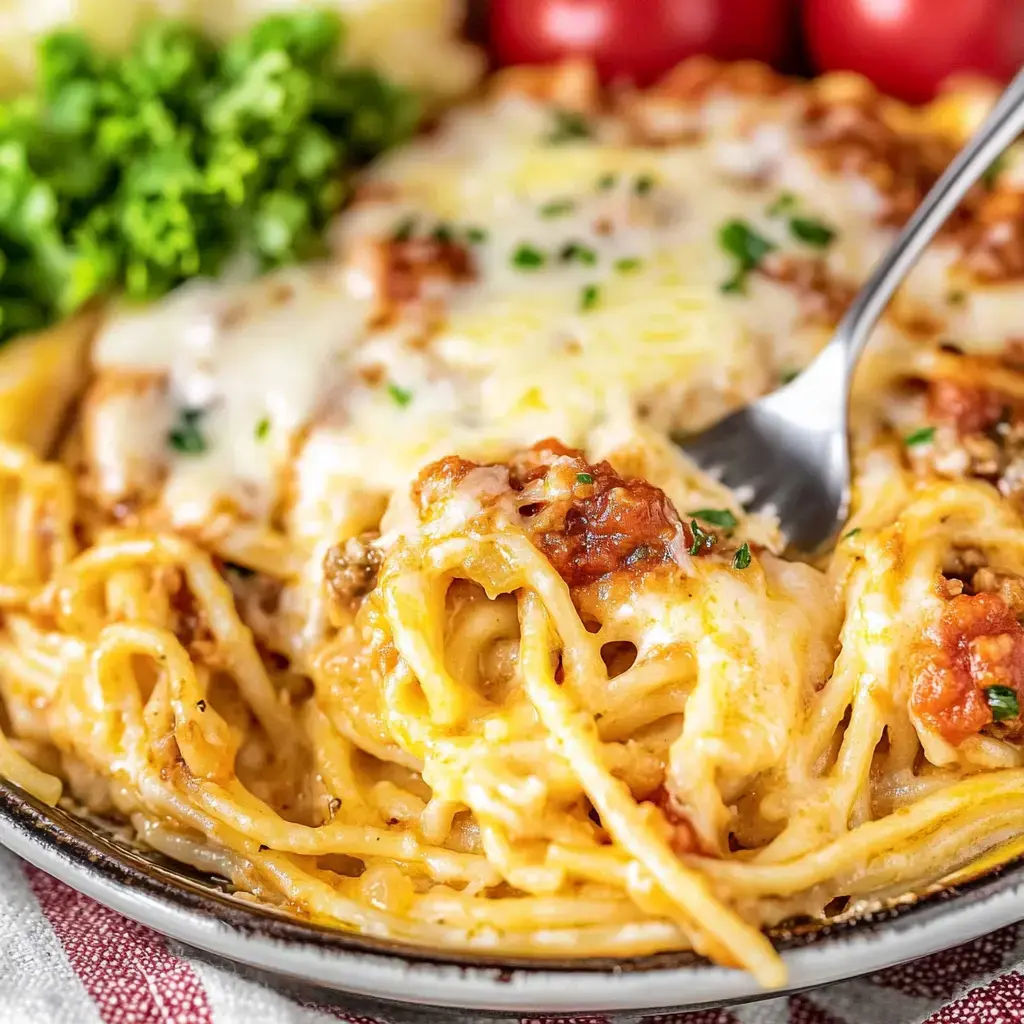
pixel 341 962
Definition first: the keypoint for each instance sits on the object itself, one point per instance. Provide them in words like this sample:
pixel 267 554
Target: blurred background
pixel 907 47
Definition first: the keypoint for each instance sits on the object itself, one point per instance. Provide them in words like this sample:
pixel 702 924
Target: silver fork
pixel 789 451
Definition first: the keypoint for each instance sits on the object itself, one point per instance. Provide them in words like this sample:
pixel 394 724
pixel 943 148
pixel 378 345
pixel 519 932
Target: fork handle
pixel 1003 124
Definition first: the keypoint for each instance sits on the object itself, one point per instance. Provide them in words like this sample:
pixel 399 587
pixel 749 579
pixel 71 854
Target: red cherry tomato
pixel 638 39
pixel 907 47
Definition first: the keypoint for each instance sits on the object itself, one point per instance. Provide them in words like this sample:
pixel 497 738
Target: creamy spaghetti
pixel 378 588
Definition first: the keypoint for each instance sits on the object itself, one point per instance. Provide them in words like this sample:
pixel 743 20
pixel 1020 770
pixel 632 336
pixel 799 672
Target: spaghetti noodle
pixel 347 627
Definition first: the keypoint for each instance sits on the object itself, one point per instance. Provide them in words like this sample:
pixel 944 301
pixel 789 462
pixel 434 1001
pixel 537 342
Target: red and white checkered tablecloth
pixel 64 959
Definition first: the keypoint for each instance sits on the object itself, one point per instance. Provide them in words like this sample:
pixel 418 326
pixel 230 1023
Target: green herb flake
pixel 528 257
pixel 788 376
pixel 584 478
pixel 716 517
pixel 557 208
pixel 569 126
pixel 746 247
pixel 993 171
pixel 575 252
pixel 1003 702
pixel 589 297
pixel 628 264
pixel 785 202
pixel 741 560
pixel 241 571
pixel 957 297
pixel 702 541
pixel 263 429
pixel 925 435
pixel 811 231
pixel 851 533
pixel 476 236
pixel 643 184
pixel 607 182
pixel 400 396
pixel 185 436
pixel 404 230
pixel 443 234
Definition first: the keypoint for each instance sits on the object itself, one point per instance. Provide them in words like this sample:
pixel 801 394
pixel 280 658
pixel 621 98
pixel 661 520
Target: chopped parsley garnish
pixel 993 171
pixel 1003 702
pixel 579 253
pixel 405 230
pixel 925 435
pixel 528 257
pixel 584 478
pixel 400 396
pixel 589 297
pixel 628 264
pixel 811 231
pixel 851 533
pixel 643 184
pixel 263 429
pixel 442 234
pixel 606 182
pixel 788 376
pixel 569 126
pixel 783 204
pixel 557 208
pixel 186 436
pixel 716 517
pixel 702 541
pixel 746 247
pixel 137 171
pixel 741 560
pixel 476 236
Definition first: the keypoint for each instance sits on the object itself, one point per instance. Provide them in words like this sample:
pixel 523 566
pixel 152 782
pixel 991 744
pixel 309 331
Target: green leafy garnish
pixel 627 264
pixel 643 184
pixel 557 208
pixel 785 202
pixel 702 541
pixel 924 435
pixel 185 436
pixel 851 533
pixel 443 234
pixel 584 478
pixel 404 230
pixel 589 297
pixel 746 247
pixel 527 257
pixel 716 517
pixel 811 231
pixel 400 396
pixel 606 182
pixel 136 172
pixel 476 236
pixel 788 376
pixel 576 252
pixel 569 126
pixel 1003 702
pixel 741 560
pixel 992 172
pixel 263 429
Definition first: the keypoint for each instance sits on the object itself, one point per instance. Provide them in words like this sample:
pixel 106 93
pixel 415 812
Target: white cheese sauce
pixel 597 295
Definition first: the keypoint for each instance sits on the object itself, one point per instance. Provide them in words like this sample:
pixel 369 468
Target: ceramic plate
pixel 196 911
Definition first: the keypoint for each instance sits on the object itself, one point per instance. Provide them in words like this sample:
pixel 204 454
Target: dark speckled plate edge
pixel 196 912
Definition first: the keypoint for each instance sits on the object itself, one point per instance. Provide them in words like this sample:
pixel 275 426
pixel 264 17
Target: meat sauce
pixel 586 519
pixel 977 643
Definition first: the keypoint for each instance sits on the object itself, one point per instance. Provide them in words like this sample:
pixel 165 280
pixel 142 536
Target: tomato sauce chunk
pixel 977 643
